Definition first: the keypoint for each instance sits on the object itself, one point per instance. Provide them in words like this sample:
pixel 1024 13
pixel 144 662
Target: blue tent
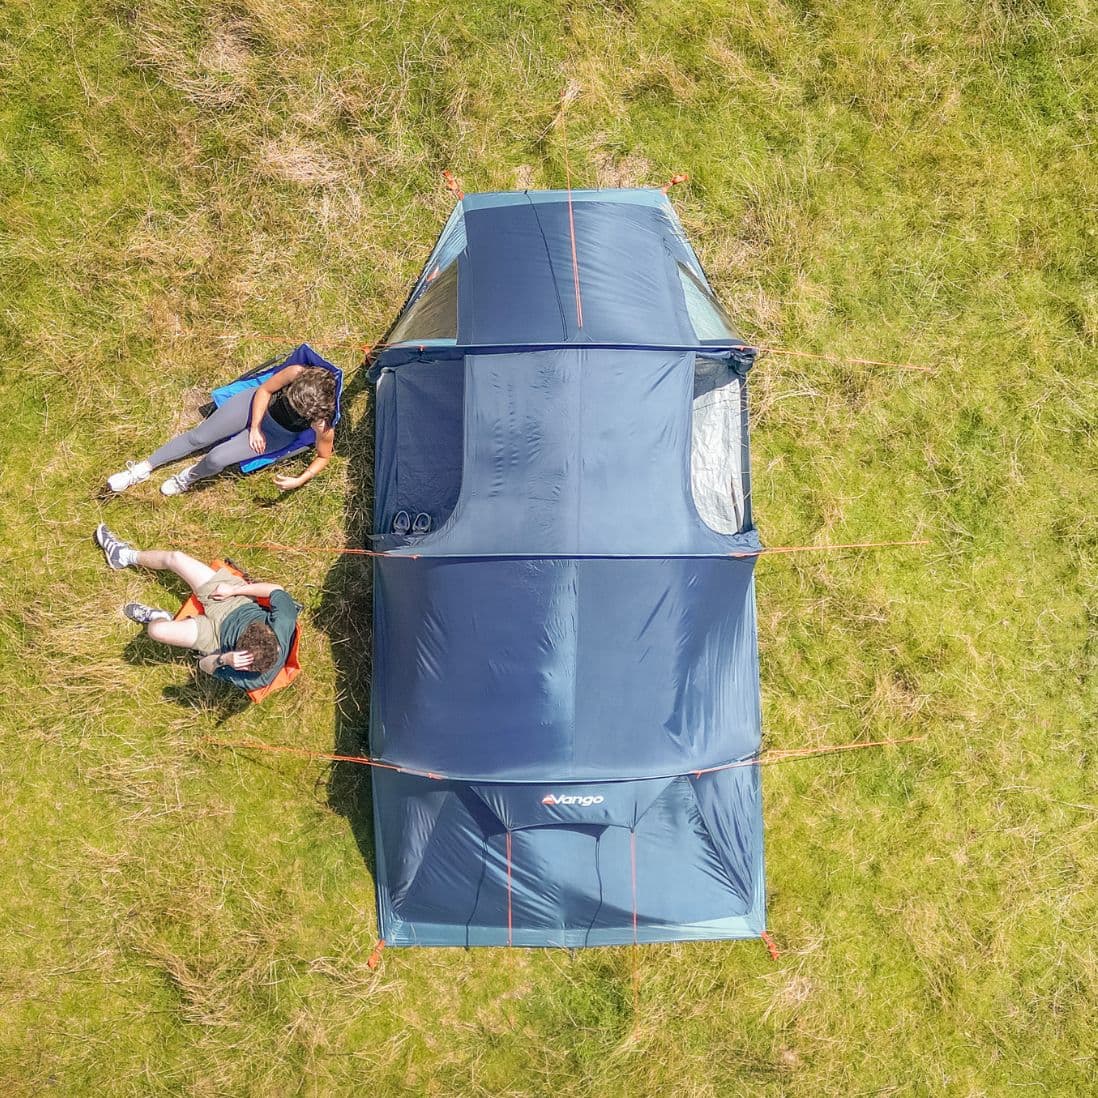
pixel 566 665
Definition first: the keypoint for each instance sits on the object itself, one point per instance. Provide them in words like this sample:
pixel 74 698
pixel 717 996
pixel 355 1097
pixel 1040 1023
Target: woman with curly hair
pixel 251 422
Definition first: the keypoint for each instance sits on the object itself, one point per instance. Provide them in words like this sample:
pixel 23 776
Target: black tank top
pixel 285 415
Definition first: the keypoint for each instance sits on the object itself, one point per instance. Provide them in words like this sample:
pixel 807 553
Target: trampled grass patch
pixel 181 182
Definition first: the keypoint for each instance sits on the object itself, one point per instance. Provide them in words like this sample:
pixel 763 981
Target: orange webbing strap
pixel 567 96
pixel 375 958
pixel 674 181
pixel 451 184
pixel 510 931
pixel 772 949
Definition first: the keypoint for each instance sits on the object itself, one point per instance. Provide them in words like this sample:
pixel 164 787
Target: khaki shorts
pixel 214 612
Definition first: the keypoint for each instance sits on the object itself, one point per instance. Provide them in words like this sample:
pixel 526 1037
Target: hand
pixel 287 484
pixel 256 440
pixel 238 661
pixel 223 591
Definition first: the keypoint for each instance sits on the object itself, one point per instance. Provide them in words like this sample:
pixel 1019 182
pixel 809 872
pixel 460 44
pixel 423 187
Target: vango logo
pixel 568 798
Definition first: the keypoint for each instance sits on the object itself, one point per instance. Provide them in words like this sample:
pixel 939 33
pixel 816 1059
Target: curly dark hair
pixel 259 639
pixel 312 394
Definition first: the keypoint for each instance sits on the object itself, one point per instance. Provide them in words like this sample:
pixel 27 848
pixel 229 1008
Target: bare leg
pixel 179 634
pixel 192 572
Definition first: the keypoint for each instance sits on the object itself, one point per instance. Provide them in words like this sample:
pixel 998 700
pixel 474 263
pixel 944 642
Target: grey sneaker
pixel 402 523
pixel 181 482
pixel 113 547
pixel 134 473
pixel 142 614
pixel 422 524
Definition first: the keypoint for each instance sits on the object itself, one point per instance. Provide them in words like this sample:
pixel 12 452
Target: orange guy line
pixel 777 755
pixel 842 359
pixel 773 756
pixel 769 549
pixel 275 546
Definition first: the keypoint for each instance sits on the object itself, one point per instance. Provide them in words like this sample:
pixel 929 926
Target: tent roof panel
pixel 546 268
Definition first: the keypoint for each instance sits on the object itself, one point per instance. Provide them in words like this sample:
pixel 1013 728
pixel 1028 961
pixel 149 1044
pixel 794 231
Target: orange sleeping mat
pixel 192 608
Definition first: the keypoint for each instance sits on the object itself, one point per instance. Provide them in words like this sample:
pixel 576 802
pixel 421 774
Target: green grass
pixel 911 183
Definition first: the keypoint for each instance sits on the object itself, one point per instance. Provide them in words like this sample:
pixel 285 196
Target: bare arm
pixel 239 661
pixel 248 590
pixel 258 590
pixel 209 664
pixel 325 444
pixel 261 399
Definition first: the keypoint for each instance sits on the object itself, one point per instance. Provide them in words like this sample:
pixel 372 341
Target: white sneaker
pixel 181 482
pixel 134 473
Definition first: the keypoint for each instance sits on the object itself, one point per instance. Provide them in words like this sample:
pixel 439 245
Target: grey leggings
pixel 225 436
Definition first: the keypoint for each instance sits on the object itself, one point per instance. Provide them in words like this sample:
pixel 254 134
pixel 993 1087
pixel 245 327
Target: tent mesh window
pixel 433 314
pixel 709 320
pixel 718 450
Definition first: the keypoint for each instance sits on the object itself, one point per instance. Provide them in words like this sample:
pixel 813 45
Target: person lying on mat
pixel 251 422
pixel 238 640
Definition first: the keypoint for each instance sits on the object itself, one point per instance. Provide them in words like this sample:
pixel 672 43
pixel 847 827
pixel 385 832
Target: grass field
pixel 911 182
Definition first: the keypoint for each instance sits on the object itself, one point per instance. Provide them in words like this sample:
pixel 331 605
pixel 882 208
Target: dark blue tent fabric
pixel 695 844
pixel 517 282
pixel 566 666
pixel 418 420
pixel 640 281
pixel 577 451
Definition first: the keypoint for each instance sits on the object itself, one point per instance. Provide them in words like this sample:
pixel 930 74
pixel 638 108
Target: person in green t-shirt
pixel 239 641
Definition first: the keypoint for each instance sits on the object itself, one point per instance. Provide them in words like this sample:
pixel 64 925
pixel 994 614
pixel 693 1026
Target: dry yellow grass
pixel 910 184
